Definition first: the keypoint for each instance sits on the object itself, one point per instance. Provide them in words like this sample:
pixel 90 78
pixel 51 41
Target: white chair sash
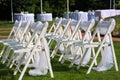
pixel 106 62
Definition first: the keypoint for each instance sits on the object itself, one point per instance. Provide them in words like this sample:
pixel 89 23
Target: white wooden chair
pixel 64 26
pixel 12 34
pixel 76 51
pixel 73 34
pixel 54 26
pixel 30 32
pixel 40 31
pixel 105 28
pixel 54 30
pixel 17 39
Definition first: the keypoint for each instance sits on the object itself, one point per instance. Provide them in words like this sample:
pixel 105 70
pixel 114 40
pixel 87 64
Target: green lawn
pixel 62 72
pixel 5 27
pixel 6 24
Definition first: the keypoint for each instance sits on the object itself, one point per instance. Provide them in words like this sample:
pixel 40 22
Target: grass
pixel 6 24
pixel 5 27
pixel 62 72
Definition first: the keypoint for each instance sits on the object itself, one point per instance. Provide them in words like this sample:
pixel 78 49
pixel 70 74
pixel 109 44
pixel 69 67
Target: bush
pixel 116 31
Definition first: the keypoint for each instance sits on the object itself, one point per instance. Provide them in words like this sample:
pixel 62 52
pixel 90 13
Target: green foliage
pixel 118 5
pixel 24 5
pixel 62 72
pixel 47 8
pixel 116 31
pixel 56 7
pixel 4 9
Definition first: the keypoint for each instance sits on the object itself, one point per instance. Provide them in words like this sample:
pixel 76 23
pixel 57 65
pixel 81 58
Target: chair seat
pixel 88 45
pixel 5 40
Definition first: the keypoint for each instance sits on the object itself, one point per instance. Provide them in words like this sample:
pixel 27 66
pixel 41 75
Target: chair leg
pixel 114 57
pixel 78 52
pixel 26 65
pixel 1 53
pixel 49 65
pixel 19 64
pixel 82 58
pixel 93 51
pixel 47 57
pixel 97 53
pixel 5 56
pixel 66 51
pixel 10 62
pixel 72 63
pixel 55 50
pixel 49 42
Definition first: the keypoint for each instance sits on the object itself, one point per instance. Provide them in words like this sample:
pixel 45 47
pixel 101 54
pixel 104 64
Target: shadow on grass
pixel 4 70
pixel 58 67
pixel 6 73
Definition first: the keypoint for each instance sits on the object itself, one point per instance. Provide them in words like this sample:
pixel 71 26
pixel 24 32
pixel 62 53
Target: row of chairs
pixel 80 49
pixel 28 40
pixel 25 41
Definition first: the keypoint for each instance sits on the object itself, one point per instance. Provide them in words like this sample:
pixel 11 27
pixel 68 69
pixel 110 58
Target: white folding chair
pixel 18 39
pixel 76 51
pixel 63 34
pixel 40 31
pixel 105 28
pixel 54 30
pixel 54 26
pixel 73 34
pixel 24 42
pixel 12 34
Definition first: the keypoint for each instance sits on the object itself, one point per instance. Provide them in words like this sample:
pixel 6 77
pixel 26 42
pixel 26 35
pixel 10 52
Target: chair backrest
pixel 55 26
pixel 104 28
pixel 65 22
pixel 87 26
pixel 66 25
pixel 44 29
pixel 40 30
pixel 15 28
pixel 22 30
pixel 74 28
pixel 36 27
pixel 30 31
pixel 57 20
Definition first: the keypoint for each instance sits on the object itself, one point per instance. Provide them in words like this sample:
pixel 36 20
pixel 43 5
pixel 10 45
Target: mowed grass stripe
pixel 5 29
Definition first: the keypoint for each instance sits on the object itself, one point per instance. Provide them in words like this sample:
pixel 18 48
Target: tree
pixel 47 7
pixel 5 11
pixel 72 5
pixel 56 7
pixel 118 5
pixel 24 5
